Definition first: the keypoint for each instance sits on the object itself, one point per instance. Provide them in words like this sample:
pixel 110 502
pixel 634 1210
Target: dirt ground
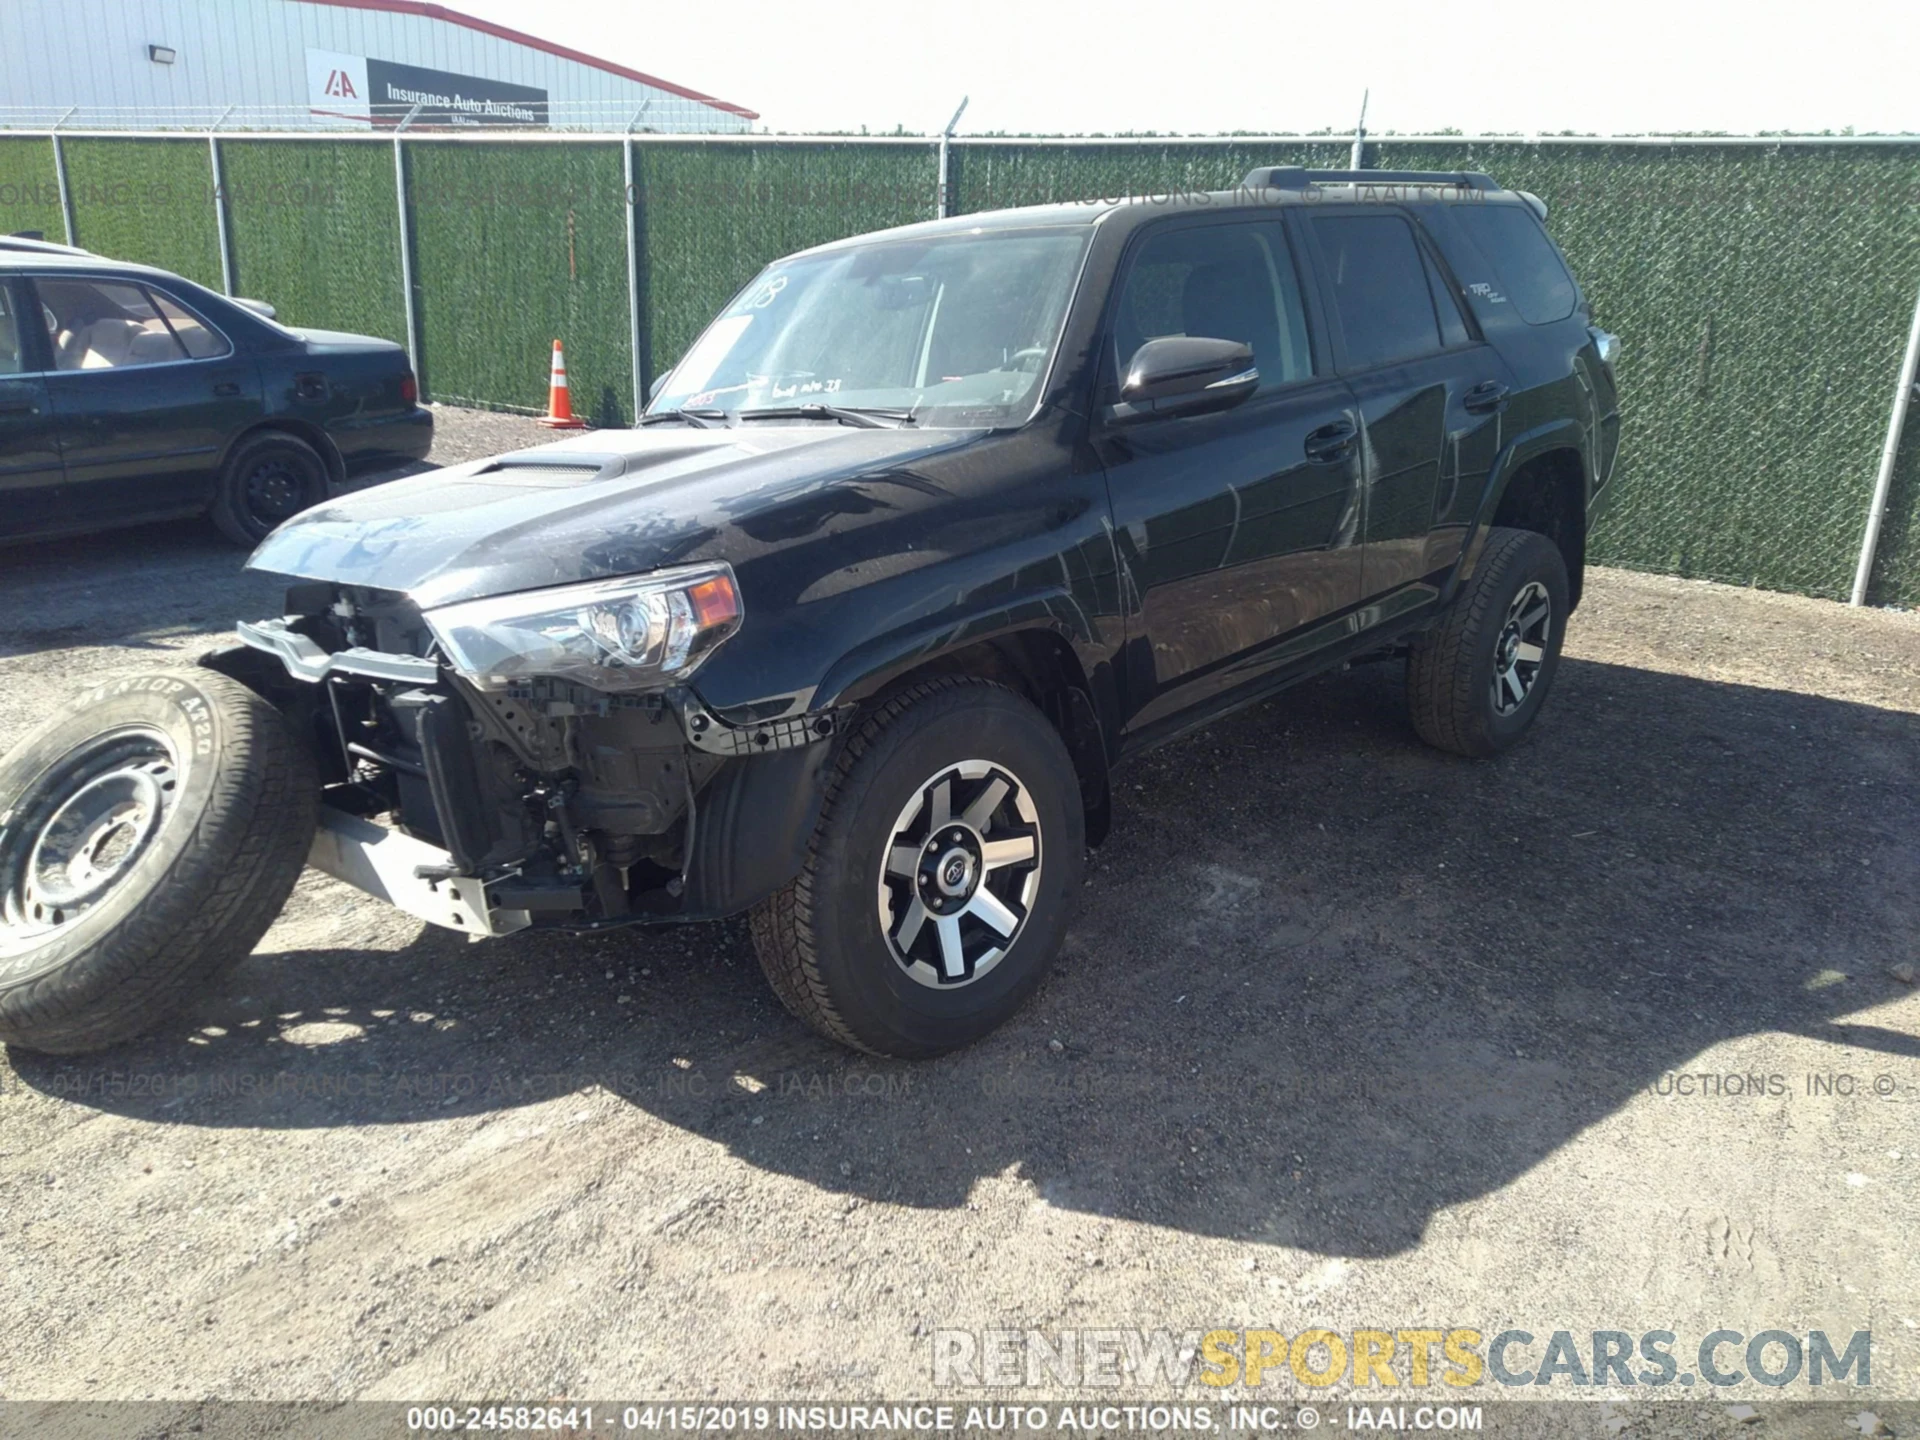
pixel 1348 1034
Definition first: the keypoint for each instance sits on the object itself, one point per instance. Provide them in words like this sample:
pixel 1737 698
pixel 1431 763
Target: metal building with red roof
pixel 285 64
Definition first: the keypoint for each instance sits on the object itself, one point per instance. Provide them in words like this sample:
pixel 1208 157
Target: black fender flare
pixel 753 823
pixel 1565 434
pixel 1087 708
pixel 869 668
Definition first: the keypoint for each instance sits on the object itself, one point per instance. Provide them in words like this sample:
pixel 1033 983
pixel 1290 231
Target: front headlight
pixel 628 634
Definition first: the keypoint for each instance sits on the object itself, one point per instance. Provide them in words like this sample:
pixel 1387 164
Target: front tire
pixel 149 835
pixel 1476 680
pixel 269 478
pixel 938 884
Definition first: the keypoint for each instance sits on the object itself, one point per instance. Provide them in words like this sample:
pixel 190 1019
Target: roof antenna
pixel 1357 161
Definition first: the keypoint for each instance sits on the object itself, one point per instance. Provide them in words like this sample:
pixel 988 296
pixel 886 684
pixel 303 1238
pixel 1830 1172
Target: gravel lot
pixel 1348 1033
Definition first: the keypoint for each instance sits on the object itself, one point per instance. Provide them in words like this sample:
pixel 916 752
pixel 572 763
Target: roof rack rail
pixel 1295 177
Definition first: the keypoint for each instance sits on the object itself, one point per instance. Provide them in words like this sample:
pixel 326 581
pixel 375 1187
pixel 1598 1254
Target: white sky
pixel 1194 65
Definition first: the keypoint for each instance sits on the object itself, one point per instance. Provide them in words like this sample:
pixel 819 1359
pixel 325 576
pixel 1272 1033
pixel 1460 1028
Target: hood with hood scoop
pixel 608 503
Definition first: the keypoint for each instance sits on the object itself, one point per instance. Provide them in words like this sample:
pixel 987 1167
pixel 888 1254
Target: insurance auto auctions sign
pixel 381 92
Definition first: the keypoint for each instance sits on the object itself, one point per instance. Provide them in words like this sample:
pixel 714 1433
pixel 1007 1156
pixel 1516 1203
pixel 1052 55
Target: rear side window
pixel 105 325
pixel 1524 261
pixel 116 325
pixel 199 342
pixel 1379 279
pixel 1453 329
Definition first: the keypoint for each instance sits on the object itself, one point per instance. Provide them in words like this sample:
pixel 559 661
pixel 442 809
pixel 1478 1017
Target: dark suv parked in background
pixel 927 532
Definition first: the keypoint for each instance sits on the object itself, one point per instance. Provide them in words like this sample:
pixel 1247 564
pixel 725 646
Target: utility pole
pixel 1358 159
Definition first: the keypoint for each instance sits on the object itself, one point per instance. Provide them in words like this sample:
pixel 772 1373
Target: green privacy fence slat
pixel 29 189
pixel 716 213
pixel 316 233
pixel 995 177
pixel 1763 297
pixel 1763 294
pixel 515 246
pixel 149 201
pixel 1896 576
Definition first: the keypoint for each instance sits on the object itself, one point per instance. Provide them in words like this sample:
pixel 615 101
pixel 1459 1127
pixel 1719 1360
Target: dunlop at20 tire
pixel 148 836
pixel 827 946
pixel 1515 601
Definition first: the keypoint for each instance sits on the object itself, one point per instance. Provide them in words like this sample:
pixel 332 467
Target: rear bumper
pixel 371 441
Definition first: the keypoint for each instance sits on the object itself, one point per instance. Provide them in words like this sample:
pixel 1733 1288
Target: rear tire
pixel 1476 680
pixel 151 834
pixel 955 799
pixel 269 478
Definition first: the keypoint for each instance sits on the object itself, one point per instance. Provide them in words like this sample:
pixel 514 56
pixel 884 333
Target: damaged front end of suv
pixel 539 755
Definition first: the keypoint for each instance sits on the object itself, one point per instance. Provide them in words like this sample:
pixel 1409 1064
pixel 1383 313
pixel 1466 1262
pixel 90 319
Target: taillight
pixel 409 388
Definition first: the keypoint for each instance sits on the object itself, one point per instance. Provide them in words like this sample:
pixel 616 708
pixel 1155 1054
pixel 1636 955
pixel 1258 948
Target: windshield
pixel 956 330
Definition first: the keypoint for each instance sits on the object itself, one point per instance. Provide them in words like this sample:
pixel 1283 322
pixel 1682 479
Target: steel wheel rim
pixel 71 839
pixel 959 874
pixel 1521 648
pixel 274 490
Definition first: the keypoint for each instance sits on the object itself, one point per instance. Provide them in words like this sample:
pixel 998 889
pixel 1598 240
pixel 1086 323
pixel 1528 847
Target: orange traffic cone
pixel 559 414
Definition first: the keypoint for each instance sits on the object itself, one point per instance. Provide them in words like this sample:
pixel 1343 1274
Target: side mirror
pixel 1185 375
pixel 659 384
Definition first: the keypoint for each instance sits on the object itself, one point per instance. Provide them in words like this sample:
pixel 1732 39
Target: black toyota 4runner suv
pixel 927 532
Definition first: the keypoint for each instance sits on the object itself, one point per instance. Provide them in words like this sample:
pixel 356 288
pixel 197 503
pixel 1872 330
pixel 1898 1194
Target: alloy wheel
pixel 1521 648
pixel 960 874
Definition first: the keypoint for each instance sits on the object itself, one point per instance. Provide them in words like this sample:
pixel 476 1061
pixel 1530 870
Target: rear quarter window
pixel 1525 265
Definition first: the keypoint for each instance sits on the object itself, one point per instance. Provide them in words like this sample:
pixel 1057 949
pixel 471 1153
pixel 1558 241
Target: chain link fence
pixel 507 256
pixel 318 225
pixel 1763 290
pixel 716 212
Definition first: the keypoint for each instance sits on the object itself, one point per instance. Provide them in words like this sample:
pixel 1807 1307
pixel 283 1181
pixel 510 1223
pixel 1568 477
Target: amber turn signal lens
pixel 714 601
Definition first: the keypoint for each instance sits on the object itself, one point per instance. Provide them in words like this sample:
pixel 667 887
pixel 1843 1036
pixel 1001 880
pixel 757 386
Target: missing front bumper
pixel 408 874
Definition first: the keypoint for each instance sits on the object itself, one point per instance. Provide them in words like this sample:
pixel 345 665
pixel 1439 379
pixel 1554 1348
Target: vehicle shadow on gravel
pixel 1324 983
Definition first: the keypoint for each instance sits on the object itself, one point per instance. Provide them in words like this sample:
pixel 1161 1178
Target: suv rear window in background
pixel 1379 287
pixel 1226 282
pixel 1523 259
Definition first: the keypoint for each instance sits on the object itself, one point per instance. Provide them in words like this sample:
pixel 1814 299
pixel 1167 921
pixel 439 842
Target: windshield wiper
pixel 705 419
pixel 867 417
